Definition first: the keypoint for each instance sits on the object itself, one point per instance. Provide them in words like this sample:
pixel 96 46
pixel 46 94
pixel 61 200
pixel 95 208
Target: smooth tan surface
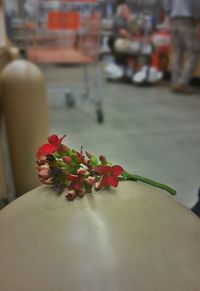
pixel 134 238
pixel 3 186
pixel 24 107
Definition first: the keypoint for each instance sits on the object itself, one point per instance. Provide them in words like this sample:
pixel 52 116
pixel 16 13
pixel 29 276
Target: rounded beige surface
pixel 134 238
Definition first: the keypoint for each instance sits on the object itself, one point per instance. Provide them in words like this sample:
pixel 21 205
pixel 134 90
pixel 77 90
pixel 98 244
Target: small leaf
pixel 94 161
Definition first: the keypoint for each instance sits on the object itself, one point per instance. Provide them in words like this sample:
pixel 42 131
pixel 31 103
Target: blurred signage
pixel 63 20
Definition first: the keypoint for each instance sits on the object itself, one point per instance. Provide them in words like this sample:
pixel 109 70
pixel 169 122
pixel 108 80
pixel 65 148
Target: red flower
pixel 49 148
pixel 110 175
pixel 45 150
pixel 55 140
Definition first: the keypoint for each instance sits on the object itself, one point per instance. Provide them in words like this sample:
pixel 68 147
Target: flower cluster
pixel 79 172
pixel 62 167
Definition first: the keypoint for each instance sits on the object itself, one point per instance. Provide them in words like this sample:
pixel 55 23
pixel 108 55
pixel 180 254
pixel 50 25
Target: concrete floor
pixel 148 131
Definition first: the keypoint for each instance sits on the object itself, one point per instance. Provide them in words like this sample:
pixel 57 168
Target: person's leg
pixel 122 47
pixel 178 50
pixel 8 21
pixel 192 43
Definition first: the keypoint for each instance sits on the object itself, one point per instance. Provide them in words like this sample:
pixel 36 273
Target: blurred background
pixel 116 103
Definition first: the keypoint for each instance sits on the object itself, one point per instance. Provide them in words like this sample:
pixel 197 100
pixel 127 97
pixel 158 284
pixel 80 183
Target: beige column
pixel 3 60
pixel 25 111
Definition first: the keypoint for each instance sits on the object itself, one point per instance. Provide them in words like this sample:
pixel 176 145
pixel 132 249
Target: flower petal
pixel 117 170
pixel 102 169
pixel 77 185
pixel 44 173
pixel 103 182
pixel 53 139
pixel 46 149
pixel 71 177
pixel 112 181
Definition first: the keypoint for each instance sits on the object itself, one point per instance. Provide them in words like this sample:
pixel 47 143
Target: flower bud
pixel 53 139
pixel 43 173
pixel 81 171
pixel 42 160
pixel 63 148
pixel 70 195
pixel 67 160
pixel 102 159
pixel 89 155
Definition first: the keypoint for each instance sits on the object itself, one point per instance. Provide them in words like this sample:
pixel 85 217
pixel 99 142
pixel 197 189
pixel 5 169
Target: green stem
pixel 126 176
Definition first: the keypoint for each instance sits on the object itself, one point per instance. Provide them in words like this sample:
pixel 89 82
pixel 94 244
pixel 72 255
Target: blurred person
pixel 32 8
pixel 122 32
pixel 34 11
pixel 10 8
pixel 184 21
pixel 121 42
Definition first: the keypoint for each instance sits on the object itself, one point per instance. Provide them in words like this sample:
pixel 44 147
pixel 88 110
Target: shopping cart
pixel 66 32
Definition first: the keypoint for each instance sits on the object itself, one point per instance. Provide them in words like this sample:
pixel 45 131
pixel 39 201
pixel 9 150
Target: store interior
pixel 125 109
pixel 99 145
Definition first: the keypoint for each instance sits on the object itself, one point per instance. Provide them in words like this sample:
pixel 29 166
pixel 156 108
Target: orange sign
pixel 63 20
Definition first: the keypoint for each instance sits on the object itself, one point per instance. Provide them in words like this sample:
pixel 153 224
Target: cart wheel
pixel 70 100
pixel 100 116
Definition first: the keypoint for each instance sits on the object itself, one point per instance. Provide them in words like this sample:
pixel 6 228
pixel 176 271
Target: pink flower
pixel 42 161
pixel 109 175
pixel 43 173
pixel 45 177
